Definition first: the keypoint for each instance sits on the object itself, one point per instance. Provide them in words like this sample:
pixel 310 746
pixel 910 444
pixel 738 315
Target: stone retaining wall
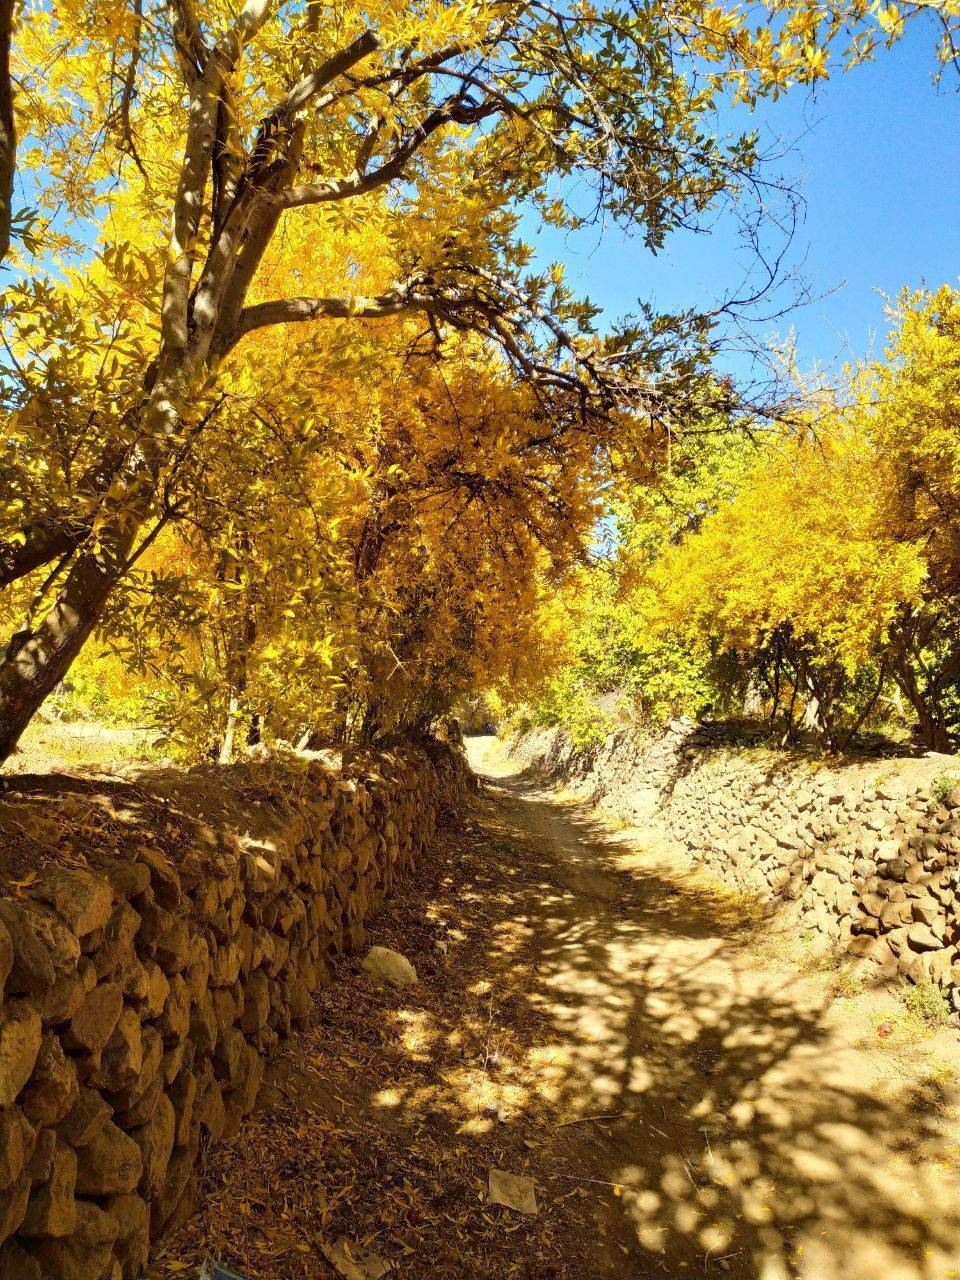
pixel 861 852
pixel 173 936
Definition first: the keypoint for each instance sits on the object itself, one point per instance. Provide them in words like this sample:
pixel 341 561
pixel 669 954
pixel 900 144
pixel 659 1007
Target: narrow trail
pixel 688 1099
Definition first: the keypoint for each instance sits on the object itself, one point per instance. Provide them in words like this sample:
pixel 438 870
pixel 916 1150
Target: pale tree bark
pixel 225 755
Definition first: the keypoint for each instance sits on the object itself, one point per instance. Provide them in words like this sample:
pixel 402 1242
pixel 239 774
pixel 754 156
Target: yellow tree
pixel 795 574
pixel 909 413
pixel 224 126
pixel 478 502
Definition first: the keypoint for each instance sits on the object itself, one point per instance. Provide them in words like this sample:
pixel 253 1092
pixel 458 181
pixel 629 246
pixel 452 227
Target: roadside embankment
pixel 160 932
pixel 863 853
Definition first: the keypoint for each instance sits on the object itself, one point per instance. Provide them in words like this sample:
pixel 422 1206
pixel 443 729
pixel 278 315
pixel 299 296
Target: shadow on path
pixel 595 1017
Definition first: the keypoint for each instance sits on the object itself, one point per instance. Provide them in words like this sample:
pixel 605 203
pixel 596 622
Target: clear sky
pixel 876 154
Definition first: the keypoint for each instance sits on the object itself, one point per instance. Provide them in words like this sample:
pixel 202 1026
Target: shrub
pixel 928 1003
pixel 944 786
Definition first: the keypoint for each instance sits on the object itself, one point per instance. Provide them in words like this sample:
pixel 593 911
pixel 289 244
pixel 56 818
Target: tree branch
pixel 249 21
pixel 360 182
pixel 188 39
pixel 314 82
pixel 297 310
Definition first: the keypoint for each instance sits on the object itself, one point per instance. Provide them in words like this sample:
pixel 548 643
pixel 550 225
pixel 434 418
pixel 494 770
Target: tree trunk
pixel 226 746
pixel 30 674
pixel 929 713
pixel 32 670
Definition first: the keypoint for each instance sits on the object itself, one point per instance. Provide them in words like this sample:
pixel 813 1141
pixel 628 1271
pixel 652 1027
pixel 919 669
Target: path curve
pixel 766 1130
pixel 691 1096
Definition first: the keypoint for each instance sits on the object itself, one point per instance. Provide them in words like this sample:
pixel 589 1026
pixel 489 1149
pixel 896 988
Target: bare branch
pixel 249 21
pixel 188 210
pixel 188 40
pixel 314 82
pixel 122 113
pixel 296 310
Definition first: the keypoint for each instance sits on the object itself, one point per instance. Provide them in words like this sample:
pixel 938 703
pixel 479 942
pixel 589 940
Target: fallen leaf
pixel 512 1191
pixel 354 1262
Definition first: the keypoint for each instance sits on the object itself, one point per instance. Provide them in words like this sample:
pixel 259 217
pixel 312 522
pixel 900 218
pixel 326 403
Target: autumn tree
pixel 909 407
pixel 795 576
pixel 605 650
pixel 479 503
pixel 217 136
pixel 809 571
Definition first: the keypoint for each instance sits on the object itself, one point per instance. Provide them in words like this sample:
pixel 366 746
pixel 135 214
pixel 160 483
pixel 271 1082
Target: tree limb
pixel 314 82
pixel 188 40
pixel 360 182
pixel 296 310
pixel 249 21
pixel 39 543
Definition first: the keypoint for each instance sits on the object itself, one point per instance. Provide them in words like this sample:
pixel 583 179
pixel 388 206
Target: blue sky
pixel 876 154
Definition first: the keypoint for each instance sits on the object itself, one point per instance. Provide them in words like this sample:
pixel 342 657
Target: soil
pixel 692 1093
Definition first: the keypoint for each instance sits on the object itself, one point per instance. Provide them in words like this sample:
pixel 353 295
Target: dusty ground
pixel 691 1094
pixel 57 744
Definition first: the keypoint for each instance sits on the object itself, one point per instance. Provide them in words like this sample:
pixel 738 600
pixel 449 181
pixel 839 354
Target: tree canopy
pixel 817 572
pixel 277 361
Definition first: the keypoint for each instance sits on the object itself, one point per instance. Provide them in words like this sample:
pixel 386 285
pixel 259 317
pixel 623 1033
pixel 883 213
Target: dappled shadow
pixel 757 1141
pixel 95 817
pixel 605 1027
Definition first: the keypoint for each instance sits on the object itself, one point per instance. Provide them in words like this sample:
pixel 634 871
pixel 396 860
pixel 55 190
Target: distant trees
pixel 829 576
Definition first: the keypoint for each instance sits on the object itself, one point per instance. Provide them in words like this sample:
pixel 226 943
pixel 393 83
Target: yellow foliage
pixel 803 546
pixel 289 419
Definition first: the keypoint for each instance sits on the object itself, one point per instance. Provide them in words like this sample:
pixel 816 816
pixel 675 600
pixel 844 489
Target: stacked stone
pixel 138 1003
pixel 867 866
pixel 907 922
pixel 854 855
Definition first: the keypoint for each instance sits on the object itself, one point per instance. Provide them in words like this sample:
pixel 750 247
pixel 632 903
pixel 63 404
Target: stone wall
pixel 149 961
pixel 862 853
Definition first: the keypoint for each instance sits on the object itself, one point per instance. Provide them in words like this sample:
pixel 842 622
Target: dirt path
pixel 690 1097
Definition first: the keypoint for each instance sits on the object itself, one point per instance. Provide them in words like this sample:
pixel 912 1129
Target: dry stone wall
pixel 141 992
pixel 864 854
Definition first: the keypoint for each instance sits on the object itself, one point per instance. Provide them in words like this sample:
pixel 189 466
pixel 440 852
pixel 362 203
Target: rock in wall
pixel 140 992
pixel 858 852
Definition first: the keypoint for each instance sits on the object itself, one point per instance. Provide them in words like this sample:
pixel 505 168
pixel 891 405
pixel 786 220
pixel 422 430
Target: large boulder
pixel 52 1210
pixel 85 901
pixel 59 1002
pixel 13 1205
pixel 110 1164
pixel 20 1039
pixel 17 1264
pixel 95 1021
pixel 390 967
pixel 155 1141
pixel 132 1246
pixel 17 1141
pixel 52 1089
pixel 32 968
pixel 122 1056
pixel 85 1255
pixel 85 1119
